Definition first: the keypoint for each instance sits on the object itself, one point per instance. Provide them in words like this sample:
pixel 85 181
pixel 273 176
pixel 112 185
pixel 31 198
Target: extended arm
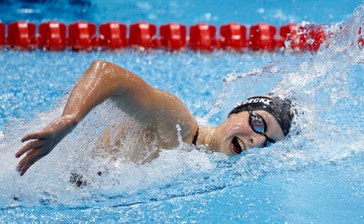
pixel 157 110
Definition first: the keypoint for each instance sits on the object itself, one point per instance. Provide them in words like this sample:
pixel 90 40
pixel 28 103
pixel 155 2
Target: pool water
pixel 315 176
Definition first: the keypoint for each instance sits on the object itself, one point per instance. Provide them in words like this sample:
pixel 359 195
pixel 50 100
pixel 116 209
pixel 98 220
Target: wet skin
pixel 235 133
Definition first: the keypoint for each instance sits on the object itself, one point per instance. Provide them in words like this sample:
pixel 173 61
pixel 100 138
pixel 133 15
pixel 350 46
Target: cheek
pixel 225 150
pixel 276 133
pixel 221 144
pixel 236 126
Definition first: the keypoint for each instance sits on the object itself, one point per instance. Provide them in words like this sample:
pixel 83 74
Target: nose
pixel 258 140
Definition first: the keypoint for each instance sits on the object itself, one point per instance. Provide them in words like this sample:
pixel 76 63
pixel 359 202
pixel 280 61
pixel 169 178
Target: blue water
pixel 315 176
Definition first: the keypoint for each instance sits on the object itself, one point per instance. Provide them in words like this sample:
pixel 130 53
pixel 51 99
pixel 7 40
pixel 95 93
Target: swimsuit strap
pixel 194 141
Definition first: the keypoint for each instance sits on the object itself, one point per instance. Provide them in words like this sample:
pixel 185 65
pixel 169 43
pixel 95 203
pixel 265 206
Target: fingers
pixel 31 157
pixel 24 165
pixel 36 149
pixel 31 145
pixel 36 135
pixel 39 136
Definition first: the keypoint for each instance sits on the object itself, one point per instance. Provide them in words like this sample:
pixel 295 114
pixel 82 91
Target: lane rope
pixel 87 36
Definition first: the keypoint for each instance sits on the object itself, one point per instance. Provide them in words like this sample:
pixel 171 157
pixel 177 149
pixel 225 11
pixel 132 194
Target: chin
pixel 225 149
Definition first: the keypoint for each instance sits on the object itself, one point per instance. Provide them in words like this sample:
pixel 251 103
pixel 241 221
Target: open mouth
pixel 237 146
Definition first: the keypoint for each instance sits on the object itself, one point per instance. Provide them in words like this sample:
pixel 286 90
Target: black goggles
pixel 258 125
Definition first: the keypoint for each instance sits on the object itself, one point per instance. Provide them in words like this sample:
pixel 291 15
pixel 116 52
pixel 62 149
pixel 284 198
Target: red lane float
pixel 141 35
pixel 112 35
pixel 360 39
pixel 233 36
pixel 306 37
pixel 21 35
pixel 202 37
pixel 81 35
pixel 262 37
pixel 172 36
pixel 2 34
pixel 52 36
pixel 284 31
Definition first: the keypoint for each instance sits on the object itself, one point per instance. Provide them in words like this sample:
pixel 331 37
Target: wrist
pixel 71 121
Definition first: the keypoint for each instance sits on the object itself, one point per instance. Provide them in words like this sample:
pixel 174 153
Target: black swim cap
pixel 279 108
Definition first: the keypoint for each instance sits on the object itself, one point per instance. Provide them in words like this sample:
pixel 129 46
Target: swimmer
pixel 256 122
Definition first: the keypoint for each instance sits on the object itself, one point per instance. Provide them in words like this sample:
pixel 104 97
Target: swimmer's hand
pixel 43 142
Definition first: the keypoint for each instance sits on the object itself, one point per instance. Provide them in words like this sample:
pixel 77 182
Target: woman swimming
pixel 254 123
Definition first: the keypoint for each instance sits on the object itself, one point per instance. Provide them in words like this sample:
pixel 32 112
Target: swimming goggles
pixel 258 125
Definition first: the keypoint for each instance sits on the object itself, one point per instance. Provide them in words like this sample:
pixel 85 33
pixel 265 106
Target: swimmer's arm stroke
pixel 156 109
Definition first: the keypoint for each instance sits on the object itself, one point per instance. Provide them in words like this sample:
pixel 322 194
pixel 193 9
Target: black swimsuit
pixel 194 141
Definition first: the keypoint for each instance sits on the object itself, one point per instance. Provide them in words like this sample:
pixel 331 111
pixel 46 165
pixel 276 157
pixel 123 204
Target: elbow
pixel 98 63
pixel 102 67
pixel 98 68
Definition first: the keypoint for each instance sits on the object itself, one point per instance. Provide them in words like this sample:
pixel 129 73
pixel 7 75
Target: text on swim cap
pixel 263 100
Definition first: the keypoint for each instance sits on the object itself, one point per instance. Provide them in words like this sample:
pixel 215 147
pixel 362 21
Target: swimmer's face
pixel 235 134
